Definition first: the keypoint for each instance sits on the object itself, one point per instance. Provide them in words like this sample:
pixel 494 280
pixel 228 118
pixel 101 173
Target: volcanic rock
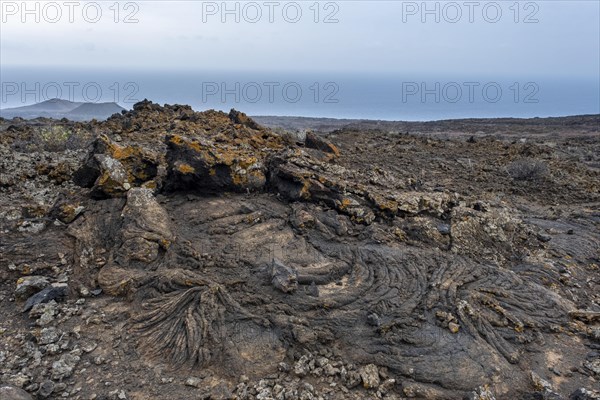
pixel 316 142
pixel 402 266
pixel 8 392
pixel 56 291
pixel 29 285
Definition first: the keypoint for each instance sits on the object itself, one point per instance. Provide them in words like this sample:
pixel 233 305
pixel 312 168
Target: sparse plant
pixel 527 169
pixel 52 138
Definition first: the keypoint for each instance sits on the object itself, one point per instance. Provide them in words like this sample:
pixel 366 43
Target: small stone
pixel 330 370
pixel 52 349
pixel 540 384
pixel 48 336
pixel 46 389
pixel 444 229
pixel 63 368
pixel 373 320
pixel 59 387
pixel 482 393
pixel 32 388
pixel 308 387
pixel 313 290
pixel 54 292
pixel 30 285
pixel 543 237
pixel 454 327
pixel 387 386
pixel 77 352
pixel 19 380
pixel 370 376
pixel 99 360
pixel 593 365
pixel 584 394
pixel 45 313
pixel 194 382
pixel 350 378
pixel 284 367
pixel 88 346
pixel 301 367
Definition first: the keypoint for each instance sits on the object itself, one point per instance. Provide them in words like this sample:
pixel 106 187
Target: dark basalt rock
pixel 240 118
pixel 283 277
pixel 53 292
pixel 584 394
pixel 316 142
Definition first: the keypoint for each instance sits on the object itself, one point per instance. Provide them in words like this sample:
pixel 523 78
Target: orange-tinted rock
pixel 200 163
pixel 112 169
pixel 313 141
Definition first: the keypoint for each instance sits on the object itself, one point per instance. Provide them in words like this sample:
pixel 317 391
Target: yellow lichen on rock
pixel 186 169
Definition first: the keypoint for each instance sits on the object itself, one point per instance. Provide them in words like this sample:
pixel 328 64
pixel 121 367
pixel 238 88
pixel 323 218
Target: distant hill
pixel 58 108
pixel 53 105
pixel 99 111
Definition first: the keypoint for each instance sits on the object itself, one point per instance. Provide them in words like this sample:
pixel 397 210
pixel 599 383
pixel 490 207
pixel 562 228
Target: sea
pixel 356 95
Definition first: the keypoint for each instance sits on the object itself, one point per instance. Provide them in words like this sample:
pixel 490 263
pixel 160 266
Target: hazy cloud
pixel 371 36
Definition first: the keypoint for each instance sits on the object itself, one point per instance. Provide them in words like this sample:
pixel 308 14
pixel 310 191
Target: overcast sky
pixel 544 38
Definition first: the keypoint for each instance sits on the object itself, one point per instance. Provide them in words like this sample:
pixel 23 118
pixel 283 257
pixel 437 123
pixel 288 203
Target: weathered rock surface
pixel 267 269
pixel 54 292
pixel 316 142
pixel 30 285
pixel 8 392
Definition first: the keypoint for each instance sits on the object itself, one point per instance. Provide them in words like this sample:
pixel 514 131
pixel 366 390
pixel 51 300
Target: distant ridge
pixel 59 108
pixel 95 110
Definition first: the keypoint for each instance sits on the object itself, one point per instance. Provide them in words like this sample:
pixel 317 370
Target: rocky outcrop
pixel 205 242
pixel 111 170
pixel 196 164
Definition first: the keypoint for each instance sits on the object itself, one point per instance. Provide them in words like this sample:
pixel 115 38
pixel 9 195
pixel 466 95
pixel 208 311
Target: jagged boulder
pixel 240 118
pixel 66 209
pixel 297 175
pixel 146 227
pixel 313 141
pixel 200 164
pixel 111 169
pixel 146 232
